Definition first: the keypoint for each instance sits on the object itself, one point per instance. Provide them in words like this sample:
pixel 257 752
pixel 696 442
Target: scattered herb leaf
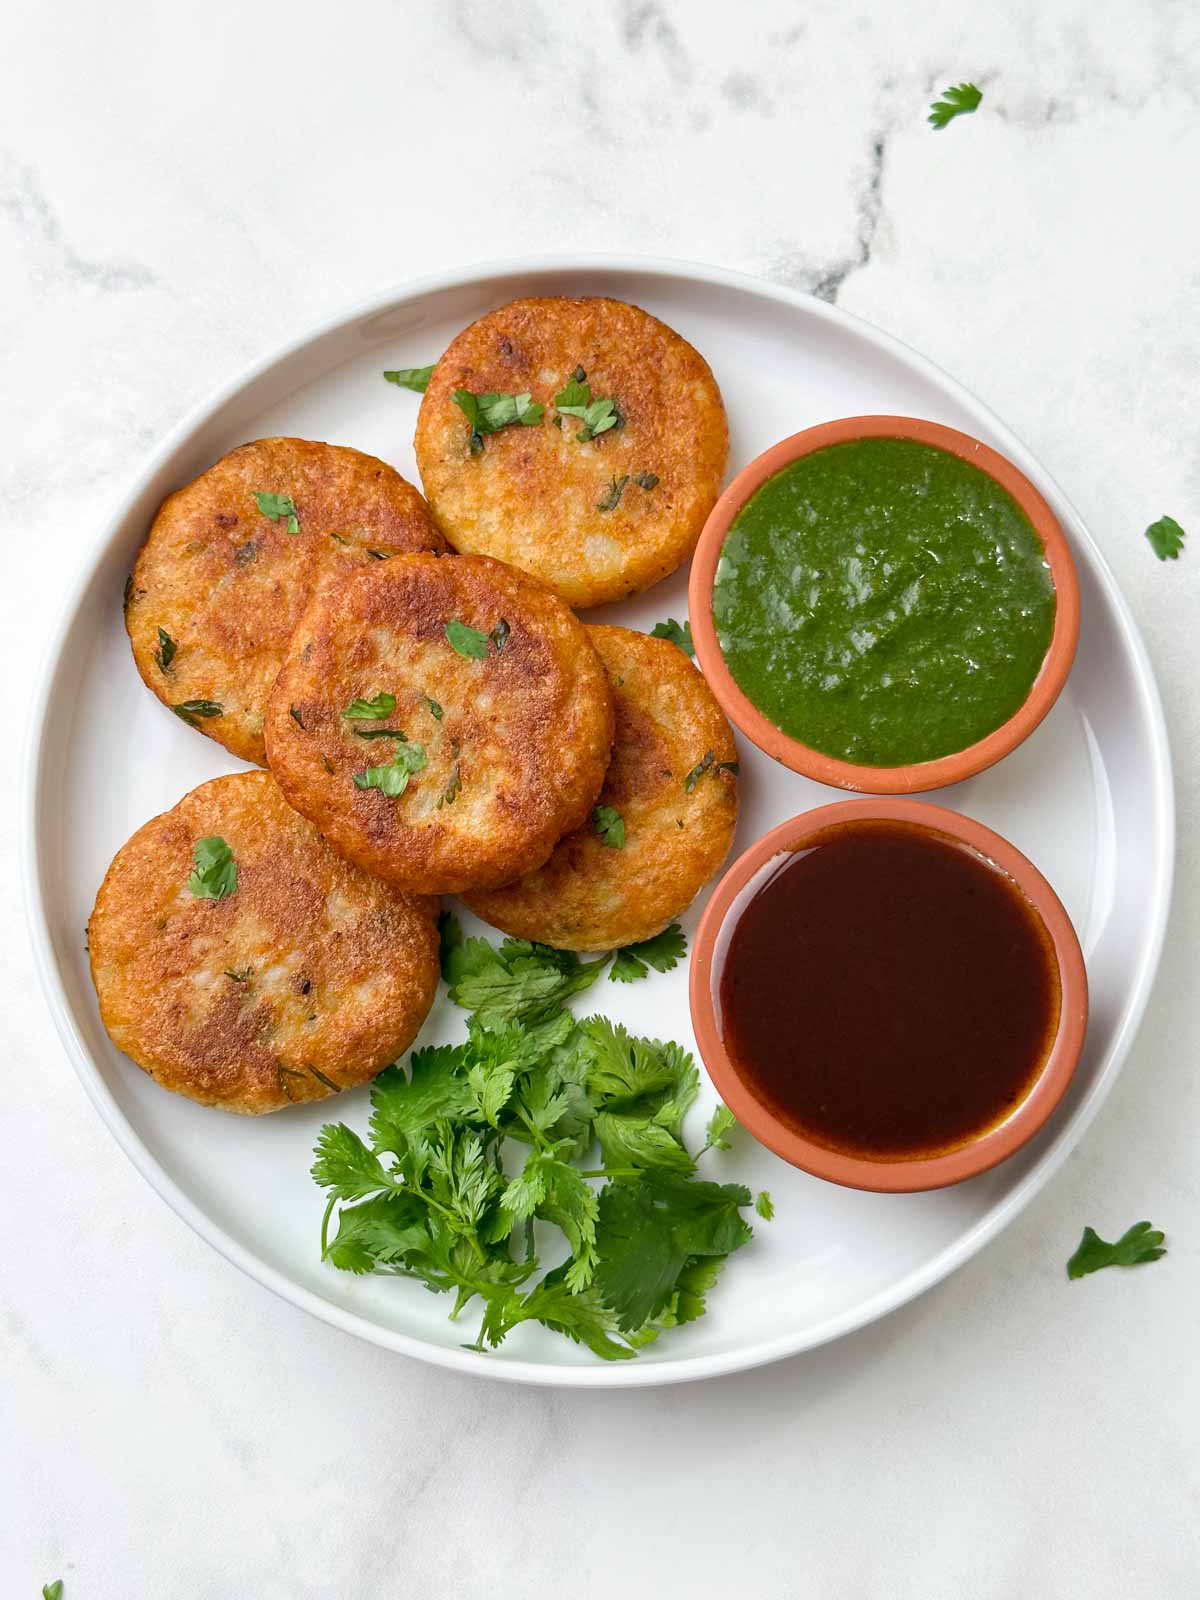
pixel 679 633
pixel 664 951
pixel 165 653
pixel 393 778
pixel 468 641
pixel 764 1205
pixel 1166 538
pixel 215 874
pixel 414 378
pixel 52 1591
pixel 360 710
pixel 190 711
pixel 610 825
pixel 1140 1243
pixel 612 495
pixel 432 707
pixel 276 506
pixel 956 101
pixel 646 480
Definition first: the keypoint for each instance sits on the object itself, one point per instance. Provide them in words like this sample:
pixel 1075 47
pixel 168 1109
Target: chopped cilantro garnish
pixel 955 102
pixel 469 641
pixel 611 498
pixel 1136 1245
pixel 597 416
pixel 488 413
pixel 165 653
pixel 190 711
pixel 453 785
pixel 392 778
pixel 764 1205
pixel 679 633
pixel 432 707
pixel 709 763
pixel 215 874
pixel 415 378
pixel 276 506
pixel 1166 538
pixel 610 825
pixel 52 1591
pixel 360 710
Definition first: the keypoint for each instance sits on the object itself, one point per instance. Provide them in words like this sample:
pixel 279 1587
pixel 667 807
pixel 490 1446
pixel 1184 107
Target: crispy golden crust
pixel 228 585
pixel 589 896
pixel 531 496
pixel 523 737
pixel 311 976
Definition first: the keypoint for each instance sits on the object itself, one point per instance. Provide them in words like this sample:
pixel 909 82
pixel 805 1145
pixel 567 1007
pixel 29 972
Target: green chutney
pixel 884 602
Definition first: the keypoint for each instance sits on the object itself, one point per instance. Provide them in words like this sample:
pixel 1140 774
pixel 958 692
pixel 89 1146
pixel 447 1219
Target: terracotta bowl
pixel 847 774
pixel 896 1176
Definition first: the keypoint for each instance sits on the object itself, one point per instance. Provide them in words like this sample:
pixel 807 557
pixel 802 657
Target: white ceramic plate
pixel 1088 798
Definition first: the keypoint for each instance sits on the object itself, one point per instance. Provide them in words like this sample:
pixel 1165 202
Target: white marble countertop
pixel 182 187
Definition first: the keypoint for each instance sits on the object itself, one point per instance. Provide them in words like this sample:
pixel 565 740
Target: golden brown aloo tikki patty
pixel 597 518
pixel 499 714
pixel 676 802
pixel 308 978
pixel 226 580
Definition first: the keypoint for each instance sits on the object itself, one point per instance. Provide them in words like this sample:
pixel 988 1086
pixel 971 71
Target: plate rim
pixel 542 1373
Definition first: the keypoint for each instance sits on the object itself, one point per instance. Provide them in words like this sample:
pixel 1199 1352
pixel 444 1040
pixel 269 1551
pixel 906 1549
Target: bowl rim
pixel 929 1172
pixel 917 776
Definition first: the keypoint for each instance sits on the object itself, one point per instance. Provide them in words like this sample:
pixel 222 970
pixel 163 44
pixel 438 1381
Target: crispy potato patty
pixel 501 714
pixel 600 518
pixel 310 977
pixel 225 581
pixel 677 803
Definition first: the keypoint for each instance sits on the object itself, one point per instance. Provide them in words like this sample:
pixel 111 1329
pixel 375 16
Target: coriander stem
pixel 325 1226
pixel 613 1172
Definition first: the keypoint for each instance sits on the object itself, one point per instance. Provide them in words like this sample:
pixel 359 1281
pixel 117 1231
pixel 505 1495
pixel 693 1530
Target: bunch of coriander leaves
pixel 536 1116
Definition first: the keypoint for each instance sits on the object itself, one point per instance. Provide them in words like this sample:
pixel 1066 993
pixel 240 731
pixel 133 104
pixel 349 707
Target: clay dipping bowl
pixel 752 870
pixel 829 769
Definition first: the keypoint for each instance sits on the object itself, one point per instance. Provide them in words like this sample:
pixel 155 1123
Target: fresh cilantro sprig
pixel 52 1591
pixel 956 101
pixel 1166 538
pixel 679 633
pixel 434 1193
pixel 277 507
pixel 664 951
pixel 1136 1245
pixel 215 874
pixel 489 413
pixel 414 378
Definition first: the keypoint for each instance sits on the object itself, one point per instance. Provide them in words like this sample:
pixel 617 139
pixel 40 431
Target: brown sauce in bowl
pixel 888 992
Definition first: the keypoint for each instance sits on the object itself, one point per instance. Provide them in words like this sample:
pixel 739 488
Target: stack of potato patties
pixel 434 716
